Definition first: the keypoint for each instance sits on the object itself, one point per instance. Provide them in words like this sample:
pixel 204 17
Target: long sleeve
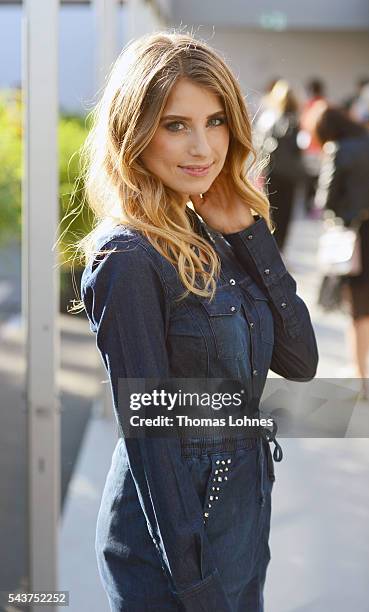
pixel 295 353
pixel 126 299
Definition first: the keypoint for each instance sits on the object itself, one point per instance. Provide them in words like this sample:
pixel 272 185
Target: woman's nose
pixel 199 144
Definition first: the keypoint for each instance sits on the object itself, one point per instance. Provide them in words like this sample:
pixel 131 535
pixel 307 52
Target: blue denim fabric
pixel 156 548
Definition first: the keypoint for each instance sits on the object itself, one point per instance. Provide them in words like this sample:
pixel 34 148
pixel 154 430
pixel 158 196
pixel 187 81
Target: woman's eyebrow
pixel 189 118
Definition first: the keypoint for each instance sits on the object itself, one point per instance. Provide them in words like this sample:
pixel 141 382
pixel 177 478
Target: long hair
pixel 120 190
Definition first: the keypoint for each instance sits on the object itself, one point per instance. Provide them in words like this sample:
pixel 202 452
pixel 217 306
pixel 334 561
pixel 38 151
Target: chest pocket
pixel 227 323
pixel 259 301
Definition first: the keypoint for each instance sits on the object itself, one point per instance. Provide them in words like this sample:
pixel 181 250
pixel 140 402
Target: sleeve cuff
pixel 261 248
pixel 206 596
pixel 257 250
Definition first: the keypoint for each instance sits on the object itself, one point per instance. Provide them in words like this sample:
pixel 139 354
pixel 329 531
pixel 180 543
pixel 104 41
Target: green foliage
pixel 10 167
pixel 75 219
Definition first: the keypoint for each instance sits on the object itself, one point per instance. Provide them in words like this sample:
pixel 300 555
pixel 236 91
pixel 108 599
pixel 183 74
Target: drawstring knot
pixel 269 436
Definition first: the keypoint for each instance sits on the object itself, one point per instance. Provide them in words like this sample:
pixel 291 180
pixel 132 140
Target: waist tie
pixel 267 436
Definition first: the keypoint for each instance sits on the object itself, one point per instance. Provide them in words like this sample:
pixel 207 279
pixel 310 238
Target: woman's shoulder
pixel 120 254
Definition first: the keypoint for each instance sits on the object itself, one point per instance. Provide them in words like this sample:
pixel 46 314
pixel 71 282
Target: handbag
pixel 339 249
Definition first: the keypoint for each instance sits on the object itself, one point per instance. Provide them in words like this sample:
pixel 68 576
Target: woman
pixel 279 128
pixel 344 188
pixel 184 521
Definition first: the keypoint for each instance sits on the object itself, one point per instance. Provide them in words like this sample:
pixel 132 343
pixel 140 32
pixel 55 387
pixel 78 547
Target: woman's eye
pixel 221 119
pixel 171 126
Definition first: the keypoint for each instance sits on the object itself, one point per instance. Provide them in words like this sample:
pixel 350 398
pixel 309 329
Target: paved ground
pixel 320 501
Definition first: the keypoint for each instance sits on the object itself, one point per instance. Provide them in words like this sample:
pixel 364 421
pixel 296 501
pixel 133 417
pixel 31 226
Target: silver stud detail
pixel 209 505
pixel 213 488
pixel 232 281
pixel 267 271
pixel 220 479
pixel 252 324
pixel 223 462
pixel 216 497
pixel 283 305
pixel 217 488
pixel 226 469
pixel 250 237
pixel 217 461
pixel 229 460
pixel 211 497
pixel 206 514
pixel 233 308
pixel 225 477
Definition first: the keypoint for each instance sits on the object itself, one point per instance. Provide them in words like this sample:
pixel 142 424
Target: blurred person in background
pixel 277 131
pixel 344 188
pixel 315 103
pixel 350 103
pixel 359 110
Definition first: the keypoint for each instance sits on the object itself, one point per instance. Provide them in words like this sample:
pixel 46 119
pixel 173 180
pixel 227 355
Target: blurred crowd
pixel 319 148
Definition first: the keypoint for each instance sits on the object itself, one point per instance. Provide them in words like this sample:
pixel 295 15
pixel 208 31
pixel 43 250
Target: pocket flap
pixel 224 302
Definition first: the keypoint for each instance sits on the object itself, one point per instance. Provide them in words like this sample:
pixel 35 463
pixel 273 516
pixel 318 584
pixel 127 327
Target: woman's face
pixel 189 147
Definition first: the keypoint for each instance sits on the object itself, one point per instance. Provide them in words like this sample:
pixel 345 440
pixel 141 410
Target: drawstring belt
pixel 267 436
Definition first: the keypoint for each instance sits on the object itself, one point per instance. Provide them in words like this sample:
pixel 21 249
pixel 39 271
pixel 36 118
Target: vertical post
pixel 106 53
pixel 40 287
pixel 106 13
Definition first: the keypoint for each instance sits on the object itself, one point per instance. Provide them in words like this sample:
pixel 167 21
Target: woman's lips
pixel 202 171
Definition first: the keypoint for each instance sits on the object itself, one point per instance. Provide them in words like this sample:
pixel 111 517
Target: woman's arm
pixel 295 353
pixel 125 298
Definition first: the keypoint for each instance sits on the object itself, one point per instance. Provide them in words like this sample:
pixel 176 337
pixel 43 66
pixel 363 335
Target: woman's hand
pixel 221 208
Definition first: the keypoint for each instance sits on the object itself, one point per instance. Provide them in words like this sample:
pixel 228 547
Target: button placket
pixel 218 477
pixel 253 343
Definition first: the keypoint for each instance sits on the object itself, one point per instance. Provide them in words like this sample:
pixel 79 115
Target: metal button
pixel 250 237
pixel 255 372
pixel 267 271
pixel 232 281
pixel 233 308
pixel 283 305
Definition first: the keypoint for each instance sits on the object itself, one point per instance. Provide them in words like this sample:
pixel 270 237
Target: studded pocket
pixel 221 467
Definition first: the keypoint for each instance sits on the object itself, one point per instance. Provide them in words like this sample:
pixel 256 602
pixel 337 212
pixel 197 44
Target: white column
pixel 40 287
pixel 106 20
pixel 106 37
pixel 142 17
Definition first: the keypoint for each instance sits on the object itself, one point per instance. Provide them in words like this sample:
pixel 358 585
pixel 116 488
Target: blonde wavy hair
pixel 120 190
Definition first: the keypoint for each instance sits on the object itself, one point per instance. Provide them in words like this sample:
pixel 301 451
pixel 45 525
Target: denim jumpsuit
pixel 184 523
